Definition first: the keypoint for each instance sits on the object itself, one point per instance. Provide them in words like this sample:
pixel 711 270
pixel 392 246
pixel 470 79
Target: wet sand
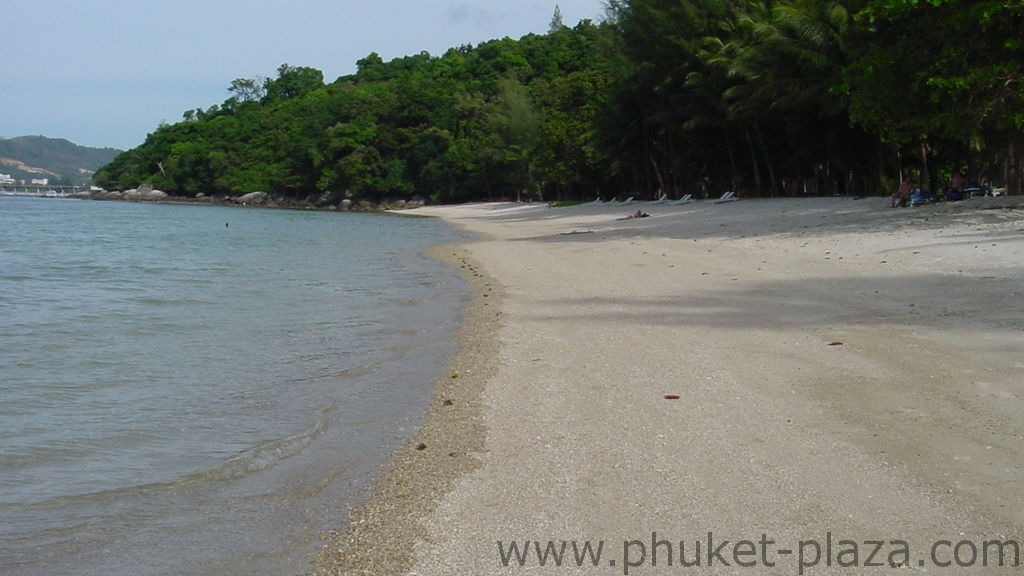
pixel 782 369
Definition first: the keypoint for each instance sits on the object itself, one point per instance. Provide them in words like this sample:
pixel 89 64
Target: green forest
pixel 659 97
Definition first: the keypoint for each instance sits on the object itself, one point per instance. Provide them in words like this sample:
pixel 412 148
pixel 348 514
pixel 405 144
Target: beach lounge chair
pixel 684 200
pixel 727 197
pixel 597 201
pixel 662 200
pixel 629 200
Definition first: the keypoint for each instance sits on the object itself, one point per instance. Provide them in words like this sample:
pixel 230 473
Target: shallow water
pixel 204 390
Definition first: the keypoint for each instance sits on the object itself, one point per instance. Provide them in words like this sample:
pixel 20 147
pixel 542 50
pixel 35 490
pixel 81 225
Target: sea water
pixel 202 389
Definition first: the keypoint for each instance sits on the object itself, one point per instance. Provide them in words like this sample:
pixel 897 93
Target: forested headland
pixel 56 159
pixel 767 98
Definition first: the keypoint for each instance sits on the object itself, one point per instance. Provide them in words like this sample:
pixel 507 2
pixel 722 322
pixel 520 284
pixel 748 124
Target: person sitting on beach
pixel 637 214
pixel 957 187
pixel 958 181
pixel 902 194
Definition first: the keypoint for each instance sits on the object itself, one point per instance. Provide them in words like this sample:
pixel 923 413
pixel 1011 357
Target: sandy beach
pixel 782 376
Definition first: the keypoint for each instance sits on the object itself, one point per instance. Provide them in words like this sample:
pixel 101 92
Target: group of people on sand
pixel 910 193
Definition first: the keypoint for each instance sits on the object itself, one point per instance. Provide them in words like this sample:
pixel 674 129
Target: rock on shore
pixel 324 201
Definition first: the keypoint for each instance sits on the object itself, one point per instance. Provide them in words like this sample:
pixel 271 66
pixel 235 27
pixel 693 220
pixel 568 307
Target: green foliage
pixel 292 82
pixel 665 96
pixel 944 77
pixel 475 122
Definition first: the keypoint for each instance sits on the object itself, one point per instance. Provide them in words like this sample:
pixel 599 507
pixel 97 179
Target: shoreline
pixel 253 200
pixel 863 360
pixel 380 532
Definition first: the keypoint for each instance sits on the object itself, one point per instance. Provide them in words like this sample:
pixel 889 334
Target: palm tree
pixel 785 60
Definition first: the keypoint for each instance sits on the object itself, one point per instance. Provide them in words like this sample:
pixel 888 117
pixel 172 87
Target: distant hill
pixel 57 159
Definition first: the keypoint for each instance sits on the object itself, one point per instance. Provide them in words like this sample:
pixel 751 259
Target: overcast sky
pixel 107 72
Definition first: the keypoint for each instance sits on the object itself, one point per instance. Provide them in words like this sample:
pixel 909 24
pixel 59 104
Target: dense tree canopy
pixel 765 97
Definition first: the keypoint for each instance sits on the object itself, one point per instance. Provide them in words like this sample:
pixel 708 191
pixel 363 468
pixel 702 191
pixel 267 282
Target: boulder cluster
pixel 323 201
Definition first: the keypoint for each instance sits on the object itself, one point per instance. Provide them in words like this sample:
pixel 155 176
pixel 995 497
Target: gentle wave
pixel 249 462
pixel 164 375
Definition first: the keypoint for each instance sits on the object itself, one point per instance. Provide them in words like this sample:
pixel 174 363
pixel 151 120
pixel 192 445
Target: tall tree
pixel 516 126
pixel 556 21
pixel 292 82
pixel 248 89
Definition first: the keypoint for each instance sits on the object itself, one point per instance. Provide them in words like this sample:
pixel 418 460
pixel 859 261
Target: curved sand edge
pixel 910 429
pixel 381 531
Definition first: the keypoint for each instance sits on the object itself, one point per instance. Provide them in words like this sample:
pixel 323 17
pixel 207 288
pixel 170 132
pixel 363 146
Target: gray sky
pixel 107 72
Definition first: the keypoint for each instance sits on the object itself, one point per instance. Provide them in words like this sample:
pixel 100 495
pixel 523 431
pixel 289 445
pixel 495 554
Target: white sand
pixel 911 429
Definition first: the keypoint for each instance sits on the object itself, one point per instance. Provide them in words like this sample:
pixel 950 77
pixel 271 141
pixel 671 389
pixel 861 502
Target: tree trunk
pixel 772 180
pixel 1012 169
pixel 881 168
pixel 732 162
pixel 926 174
pixel 900 177
pixel 753 162
pixel 657 174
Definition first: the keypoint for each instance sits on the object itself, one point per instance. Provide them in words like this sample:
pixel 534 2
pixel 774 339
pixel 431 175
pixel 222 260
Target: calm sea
pixel 205 390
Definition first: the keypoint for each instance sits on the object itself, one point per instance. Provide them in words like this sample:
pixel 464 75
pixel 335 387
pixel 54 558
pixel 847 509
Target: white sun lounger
pixel 684 200
pixel 727 197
